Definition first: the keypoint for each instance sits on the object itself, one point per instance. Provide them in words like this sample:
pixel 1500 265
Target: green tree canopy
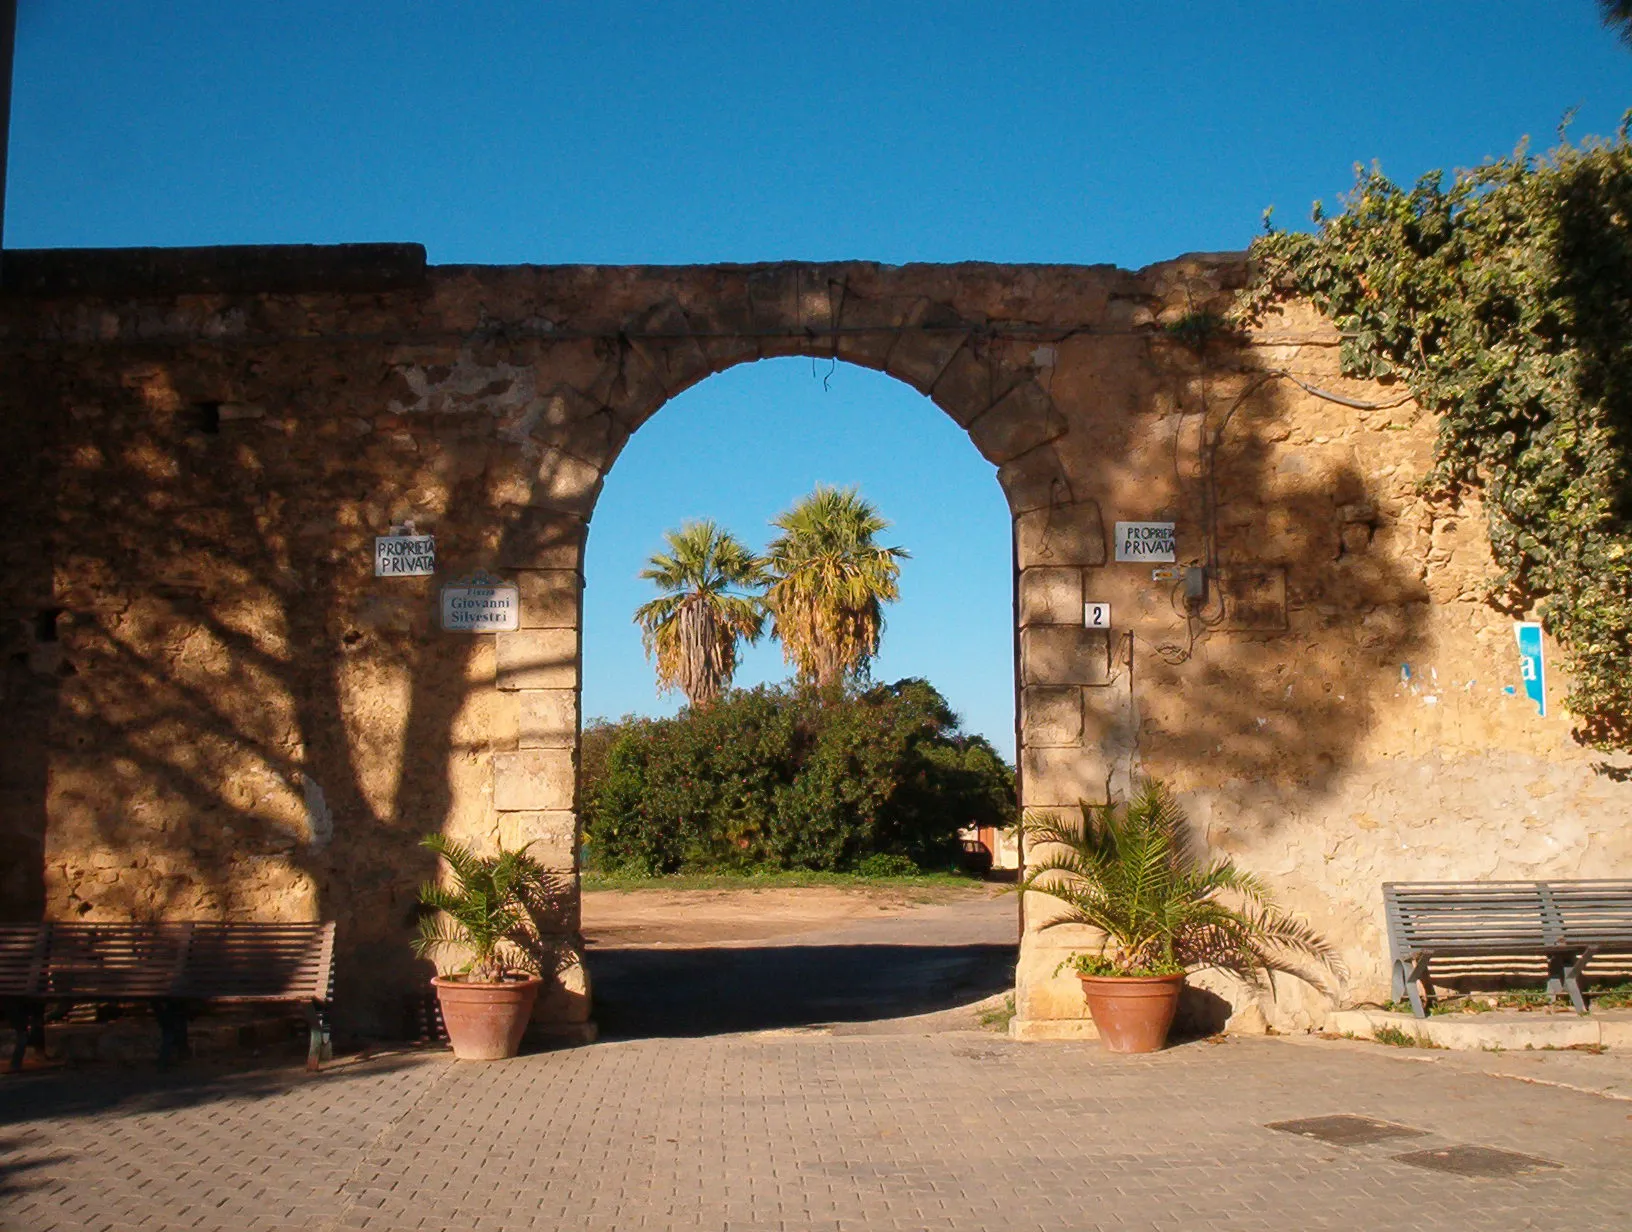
pixel 693 628
pixel 829 581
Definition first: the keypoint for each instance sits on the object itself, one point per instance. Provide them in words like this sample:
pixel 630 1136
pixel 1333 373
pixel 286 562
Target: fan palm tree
pixel 694 626
pixel 829 582
pixel 1617 15
pixel 1129 872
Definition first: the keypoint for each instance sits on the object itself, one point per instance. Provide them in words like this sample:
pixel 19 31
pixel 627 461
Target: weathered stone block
pixel 1059 654
pixel 547 718
pixel 1035 480
pixel 629 385
pixel 566 483
pixel 1060 535
pixel 1051 596
pixel 920 358
pixel 1051 715
pixel 665 339
pixel 867 329
pixel 1062 777
pixel 533 780
pixel 537 659
pixel 1021 420
pixel 1042 991
pixel 575 423
pixel 549 598
pixel 565 999
pixel 551 838
pixel 773 302
pixel 534 538
pixel 967 386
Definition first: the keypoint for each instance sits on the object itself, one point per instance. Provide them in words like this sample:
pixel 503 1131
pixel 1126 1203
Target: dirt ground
pixel 632 919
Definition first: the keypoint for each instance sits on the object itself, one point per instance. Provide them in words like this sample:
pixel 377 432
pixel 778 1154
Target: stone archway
pixel 930 328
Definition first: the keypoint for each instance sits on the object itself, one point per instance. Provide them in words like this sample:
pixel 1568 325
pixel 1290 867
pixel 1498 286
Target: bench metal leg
pixel 321 1047
pixel 172 1016
pixel 1572 979
pixel 1409 975
pixel 28 1021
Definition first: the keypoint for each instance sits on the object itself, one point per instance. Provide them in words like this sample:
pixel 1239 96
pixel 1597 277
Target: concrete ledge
pixel 1509 1031
pixel 1031 1029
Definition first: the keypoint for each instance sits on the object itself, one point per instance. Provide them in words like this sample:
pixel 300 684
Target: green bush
pixel 786 777
pixel 885 864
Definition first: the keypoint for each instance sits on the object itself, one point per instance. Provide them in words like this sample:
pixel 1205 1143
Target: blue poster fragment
pixel 1532 669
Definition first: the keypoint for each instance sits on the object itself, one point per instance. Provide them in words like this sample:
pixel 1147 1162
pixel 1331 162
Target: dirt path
pixel 706 962
pixel 626 919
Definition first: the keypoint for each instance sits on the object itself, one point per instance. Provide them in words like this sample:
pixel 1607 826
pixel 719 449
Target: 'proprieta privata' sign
pixel 404 555
pixel 1145 541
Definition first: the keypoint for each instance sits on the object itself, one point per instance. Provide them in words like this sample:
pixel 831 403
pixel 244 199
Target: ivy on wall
pixel 1503 298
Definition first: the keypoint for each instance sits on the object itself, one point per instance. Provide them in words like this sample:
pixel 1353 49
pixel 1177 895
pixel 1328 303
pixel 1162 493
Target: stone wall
pixel 214 709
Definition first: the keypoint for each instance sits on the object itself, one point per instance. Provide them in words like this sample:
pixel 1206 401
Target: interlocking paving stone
pixel 798 1132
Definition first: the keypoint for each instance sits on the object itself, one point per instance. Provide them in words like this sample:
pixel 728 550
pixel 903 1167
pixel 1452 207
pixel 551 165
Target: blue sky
pixel 606 132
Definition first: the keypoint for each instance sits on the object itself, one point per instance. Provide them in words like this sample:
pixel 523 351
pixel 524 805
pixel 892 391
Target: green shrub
pixel 786 777
pixel 886 864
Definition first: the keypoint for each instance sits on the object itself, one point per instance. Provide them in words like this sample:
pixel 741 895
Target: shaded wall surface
pixel 214 709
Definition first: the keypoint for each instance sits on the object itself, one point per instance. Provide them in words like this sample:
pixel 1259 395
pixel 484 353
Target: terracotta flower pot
pixel 485 1021
pixel 1132 1012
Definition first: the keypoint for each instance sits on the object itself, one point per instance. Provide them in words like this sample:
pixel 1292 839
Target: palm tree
pixel 829 582
pixel 1617 15
pixel 694 626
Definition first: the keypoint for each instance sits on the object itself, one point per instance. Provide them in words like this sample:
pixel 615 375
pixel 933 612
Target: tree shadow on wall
pixel 1316 603
pixel 235 718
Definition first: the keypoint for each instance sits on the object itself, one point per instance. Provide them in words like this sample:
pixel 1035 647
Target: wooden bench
pixel 1569 923
pixel 170 966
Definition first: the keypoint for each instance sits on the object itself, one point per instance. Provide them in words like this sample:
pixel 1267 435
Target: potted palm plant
pixel 1127 870
pixel 494 912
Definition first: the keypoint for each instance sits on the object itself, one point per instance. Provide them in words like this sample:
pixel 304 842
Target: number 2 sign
pixel 1096 615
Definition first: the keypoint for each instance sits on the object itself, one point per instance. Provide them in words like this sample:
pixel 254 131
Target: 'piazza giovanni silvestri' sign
pixel 481 604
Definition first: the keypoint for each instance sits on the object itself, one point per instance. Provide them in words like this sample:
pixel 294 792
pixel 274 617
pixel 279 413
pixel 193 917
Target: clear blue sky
pixel 689 132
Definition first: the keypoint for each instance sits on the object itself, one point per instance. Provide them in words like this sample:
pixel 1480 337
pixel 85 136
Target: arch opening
pixel 778 951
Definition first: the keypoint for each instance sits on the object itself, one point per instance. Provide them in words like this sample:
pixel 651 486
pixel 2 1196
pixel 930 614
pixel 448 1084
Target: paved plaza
pixel 806 1129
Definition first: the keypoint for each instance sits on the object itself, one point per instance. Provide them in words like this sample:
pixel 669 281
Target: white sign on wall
pixel 1096 615
pixel 1145 541
pixel 404 555
pixel 481 604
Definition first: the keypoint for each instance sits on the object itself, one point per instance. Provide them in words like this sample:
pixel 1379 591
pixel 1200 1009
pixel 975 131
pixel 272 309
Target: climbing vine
pixel 1503 298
